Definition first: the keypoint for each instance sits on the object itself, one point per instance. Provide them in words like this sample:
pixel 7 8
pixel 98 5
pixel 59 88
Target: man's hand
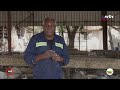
pixel 48 54
pixel 56 57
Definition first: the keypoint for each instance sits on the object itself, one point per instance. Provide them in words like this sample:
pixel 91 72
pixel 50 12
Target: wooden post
pixel 9 32
pixel 104 25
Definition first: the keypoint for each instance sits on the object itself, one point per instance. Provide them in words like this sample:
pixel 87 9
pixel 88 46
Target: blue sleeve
pixel 30 52
pixel 65 54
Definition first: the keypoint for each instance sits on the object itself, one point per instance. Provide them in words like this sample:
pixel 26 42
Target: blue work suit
pixel 48 68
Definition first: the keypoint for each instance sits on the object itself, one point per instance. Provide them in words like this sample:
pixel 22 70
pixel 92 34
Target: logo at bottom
pixel 9 71
pixel 109 71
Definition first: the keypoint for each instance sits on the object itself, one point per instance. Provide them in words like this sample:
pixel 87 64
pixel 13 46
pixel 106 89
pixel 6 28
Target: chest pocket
pixel 41 47
pixel 59 47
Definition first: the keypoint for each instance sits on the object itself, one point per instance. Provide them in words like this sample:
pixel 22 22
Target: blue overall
pixel 47 68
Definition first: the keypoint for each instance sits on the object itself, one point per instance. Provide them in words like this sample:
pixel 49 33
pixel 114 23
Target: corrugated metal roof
pixel 63 17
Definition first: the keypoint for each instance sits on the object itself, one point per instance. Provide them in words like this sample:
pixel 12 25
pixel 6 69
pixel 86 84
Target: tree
pixel 71 35
pixel 61 31
pixel 110 36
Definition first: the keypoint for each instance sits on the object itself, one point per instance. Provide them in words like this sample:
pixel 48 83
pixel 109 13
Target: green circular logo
pixel 109 71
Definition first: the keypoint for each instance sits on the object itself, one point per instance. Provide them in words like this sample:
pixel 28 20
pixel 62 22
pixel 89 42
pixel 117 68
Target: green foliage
pixel 81 28
pixel 61 30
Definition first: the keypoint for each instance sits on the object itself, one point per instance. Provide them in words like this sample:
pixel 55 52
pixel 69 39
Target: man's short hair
pixel 47 19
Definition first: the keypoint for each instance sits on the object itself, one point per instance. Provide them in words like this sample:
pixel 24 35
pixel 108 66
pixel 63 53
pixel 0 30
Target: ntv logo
pixel 106 17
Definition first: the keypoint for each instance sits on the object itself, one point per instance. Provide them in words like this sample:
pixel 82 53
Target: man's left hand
pixel 57 57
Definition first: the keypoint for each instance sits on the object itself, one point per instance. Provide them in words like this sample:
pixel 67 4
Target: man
pixel 47 52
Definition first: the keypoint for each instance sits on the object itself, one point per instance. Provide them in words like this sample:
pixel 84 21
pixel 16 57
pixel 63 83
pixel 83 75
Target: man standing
pixel 47 52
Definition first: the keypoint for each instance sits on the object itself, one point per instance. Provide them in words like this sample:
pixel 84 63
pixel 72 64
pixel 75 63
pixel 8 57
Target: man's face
pixel 49 28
